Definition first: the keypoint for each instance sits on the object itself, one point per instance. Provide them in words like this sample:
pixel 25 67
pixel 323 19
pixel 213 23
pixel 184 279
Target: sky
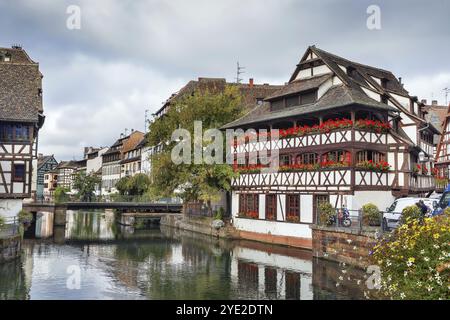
pixel 128 56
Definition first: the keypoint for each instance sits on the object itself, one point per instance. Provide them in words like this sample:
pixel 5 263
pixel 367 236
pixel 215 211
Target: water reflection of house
pixel 276 274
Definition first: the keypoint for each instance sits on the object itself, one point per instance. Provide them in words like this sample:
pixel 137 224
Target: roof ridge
pixel 351 61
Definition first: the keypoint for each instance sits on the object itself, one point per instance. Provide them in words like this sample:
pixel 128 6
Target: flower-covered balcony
pixel 333 170
pixel 328 132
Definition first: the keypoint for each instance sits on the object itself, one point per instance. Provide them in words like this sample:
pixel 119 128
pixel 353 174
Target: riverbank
pixel 204 225
pixel 341 246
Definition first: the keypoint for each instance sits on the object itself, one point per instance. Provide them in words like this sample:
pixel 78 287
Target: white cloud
pixel 429 86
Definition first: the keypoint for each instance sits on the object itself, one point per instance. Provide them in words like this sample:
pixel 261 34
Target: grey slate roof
pixel 337 96
pixel 345 94
pixel 298 86
pixel 20 81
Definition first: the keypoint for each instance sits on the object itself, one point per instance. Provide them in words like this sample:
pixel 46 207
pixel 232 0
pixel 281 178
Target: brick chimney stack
pixel 251 82
pixel 424 101
pixel 434 103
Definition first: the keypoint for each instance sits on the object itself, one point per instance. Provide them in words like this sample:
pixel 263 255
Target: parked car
pixel 391 217
pixel 443 203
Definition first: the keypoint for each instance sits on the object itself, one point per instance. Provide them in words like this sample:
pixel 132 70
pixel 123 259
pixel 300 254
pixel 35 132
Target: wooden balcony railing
pixel 313 139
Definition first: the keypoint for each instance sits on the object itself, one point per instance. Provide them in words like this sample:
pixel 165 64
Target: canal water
pixel 95 258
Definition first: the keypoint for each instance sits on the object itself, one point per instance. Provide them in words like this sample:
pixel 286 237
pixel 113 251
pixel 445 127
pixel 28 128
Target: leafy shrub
pixel 2 221
pixel 370 214
pixel 25 216
pixel 415 260
pixel 219 214
pixel 411 213
pixel 326 212
pixel 61 194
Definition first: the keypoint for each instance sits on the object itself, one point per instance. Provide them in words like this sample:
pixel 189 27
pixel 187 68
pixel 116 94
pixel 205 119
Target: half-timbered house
pixel 349 134
pixel 443 153
pixel 21 117
pixel 45 164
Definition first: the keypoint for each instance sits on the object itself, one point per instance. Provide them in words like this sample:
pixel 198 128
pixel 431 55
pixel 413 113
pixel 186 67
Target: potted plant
pixel 25 218
pixel 370 215
pixel 294 219
pixel 326 214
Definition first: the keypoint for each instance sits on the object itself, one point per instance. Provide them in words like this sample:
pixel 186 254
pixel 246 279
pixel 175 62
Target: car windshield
pixel 444 200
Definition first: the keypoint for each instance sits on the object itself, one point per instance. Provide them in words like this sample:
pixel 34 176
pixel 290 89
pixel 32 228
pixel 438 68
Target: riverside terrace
pixel 350 134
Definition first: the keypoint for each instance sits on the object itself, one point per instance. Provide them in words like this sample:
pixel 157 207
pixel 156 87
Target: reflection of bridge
pixel 156 209
pixel 123 206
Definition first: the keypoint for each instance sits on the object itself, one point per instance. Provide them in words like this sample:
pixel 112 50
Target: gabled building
pixel 132 158
pixel 45 164
pixel 443 151
pixel 111 160
pixel 21 117
pixel 65 173
pixel 350 134
pixel 50 184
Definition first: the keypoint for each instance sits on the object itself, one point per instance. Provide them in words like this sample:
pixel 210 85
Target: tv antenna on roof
pixel 446 90
pixel 239 72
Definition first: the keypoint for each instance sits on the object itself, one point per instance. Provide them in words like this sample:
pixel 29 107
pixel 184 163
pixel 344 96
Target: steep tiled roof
pixel 348 93
pixel 20 82
pixel 249 92
pixel 43 160
pixel 337 96
pixel 300 85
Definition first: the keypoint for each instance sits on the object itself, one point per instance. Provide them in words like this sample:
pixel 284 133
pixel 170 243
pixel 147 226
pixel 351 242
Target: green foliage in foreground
pixel 415 259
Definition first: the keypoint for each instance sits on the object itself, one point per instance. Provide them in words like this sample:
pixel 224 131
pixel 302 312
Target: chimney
pixel 434 103
pixel 40 155
pixel 250 82
pixel 400 80
pixel 424 101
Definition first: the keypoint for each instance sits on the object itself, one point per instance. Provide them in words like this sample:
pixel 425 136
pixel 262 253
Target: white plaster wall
pixel 262 206
pixel 411 131
pixel 382 199
pixel 234 204
pixel 10 207
pixel 306 208
pixel 273 228
pixel 324 88
pixel 321 70
pixel 304 74
pixel 373 95
pixel 93 165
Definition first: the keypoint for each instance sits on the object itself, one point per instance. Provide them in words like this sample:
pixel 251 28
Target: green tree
pixel 61 195
pixel 193 181
pixel 86 185
pixel 137 185
pixel 123 185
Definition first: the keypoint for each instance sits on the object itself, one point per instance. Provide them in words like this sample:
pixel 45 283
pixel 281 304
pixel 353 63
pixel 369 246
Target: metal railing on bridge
pixel 9 228
pixel 112 198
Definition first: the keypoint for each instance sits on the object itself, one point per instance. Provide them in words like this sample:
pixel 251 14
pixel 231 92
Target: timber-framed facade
pixel 21 117
pixel 349 134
